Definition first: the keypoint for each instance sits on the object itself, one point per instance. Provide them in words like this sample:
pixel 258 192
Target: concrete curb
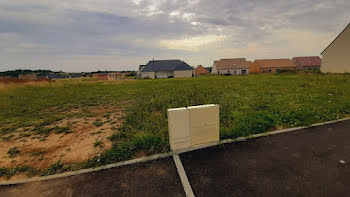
pixel 165 155
pixel 84 171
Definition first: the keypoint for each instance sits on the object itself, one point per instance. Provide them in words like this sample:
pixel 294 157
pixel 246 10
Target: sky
pixel 90 35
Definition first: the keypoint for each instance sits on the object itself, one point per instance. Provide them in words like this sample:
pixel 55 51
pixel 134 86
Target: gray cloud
pixel 86 35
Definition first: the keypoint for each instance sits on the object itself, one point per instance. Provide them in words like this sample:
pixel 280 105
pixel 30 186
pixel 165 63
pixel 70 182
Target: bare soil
pixel 41 151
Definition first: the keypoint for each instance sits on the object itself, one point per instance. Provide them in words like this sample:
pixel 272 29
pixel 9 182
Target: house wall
pixel 254 69
pixel 308 67
pixel 28 77
pixel 232 71
pixel 164 74
pixel 274 70
pixel 214 70
pixel 148 75
pixel 183 73
pixel 240 71
pixel 112 76
pixel 336 58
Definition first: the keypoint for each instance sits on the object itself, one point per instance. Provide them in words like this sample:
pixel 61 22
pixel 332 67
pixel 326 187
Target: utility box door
pixel 204 124
pixel 179 131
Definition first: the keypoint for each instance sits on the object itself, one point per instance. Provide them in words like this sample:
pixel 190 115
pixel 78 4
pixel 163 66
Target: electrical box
pixel 193 126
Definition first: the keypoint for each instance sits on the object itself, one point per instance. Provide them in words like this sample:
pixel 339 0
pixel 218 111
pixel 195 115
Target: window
pixel 270 70
pixel 244 72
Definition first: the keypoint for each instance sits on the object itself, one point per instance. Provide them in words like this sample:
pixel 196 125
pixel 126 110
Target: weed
pixel 98 143
pixel 7 138
pixel 36 154
pixel 95 133
pixel 13 152
pixel 53 169
pixel 98 123
pixel 20 169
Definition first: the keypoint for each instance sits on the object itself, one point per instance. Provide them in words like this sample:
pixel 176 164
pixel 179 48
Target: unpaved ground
pixel 155 178
pixel 86 141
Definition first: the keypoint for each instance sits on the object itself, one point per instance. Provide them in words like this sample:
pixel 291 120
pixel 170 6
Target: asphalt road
pixel 155 178
pixel 308 162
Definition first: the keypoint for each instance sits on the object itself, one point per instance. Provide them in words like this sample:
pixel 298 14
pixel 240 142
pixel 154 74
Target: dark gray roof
pixel 166 65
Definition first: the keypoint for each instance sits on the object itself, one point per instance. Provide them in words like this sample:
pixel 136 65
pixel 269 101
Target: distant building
pixel 307 63
pixel 166 69
pixel 75 75
pixel 27 76
pixel 7 77
pixel 200 70
pixel 234 66
pixel 100 76
pixel 336 57
pixel 54 76
pixel 141 67
pixel 271 66
pixel 113 76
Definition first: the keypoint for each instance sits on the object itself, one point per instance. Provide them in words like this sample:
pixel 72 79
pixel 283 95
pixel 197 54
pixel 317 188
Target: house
pixel 7 77
pixel 54 76
pixel 141 67
pixel 307 63
pixel 113 76
pixel 27 76
pixel 166 69
pixel 234 66
pixel 271 65
pixel 336 57
pixel 75 75
pixel 200 70
pixel 100 76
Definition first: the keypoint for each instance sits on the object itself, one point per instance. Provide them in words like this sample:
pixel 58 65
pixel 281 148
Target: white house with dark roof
pixel 156 69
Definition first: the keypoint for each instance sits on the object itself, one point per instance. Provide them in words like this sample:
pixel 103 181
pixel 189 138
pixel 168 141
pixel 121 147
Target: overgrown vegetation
pixel 248 105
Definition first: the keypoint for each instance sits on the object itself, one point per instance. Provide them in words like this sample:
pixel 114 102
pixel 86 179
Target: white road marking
pixel 184 180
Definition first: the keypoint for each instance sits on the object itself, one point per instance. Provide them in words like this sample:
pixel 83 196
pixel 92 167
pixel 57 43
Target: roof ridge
pixel 275 59
pixel 336 38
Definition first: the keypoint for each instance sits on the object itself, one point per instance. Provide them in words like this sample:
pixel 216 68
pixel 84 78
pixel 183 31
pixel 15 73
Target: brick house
pixel 271 66
pixel 307 63
pixel 27 76
pixel 200 70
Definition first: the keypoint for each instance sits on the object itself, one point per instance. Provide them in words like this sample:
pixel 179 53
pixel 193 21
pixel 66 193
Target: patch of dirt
pixel 40 151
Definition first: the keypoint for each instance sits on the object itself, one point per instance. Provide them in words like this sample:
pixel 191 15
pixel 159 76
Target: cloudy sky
pixel 90 35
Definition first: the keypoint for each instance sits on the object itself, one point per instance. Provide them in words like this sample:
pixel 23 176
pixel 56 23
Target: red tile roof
pixel 200 70
pixel 314 61
pixel 233 63
pixel 274 63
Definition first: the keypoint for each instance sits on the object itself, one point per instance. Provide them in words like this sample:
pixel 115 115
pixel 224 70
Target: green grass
pixel 248 105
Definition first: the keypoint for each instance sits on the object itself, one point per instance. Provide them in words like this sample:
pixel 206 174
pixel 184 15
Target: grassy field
pixel 134 112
